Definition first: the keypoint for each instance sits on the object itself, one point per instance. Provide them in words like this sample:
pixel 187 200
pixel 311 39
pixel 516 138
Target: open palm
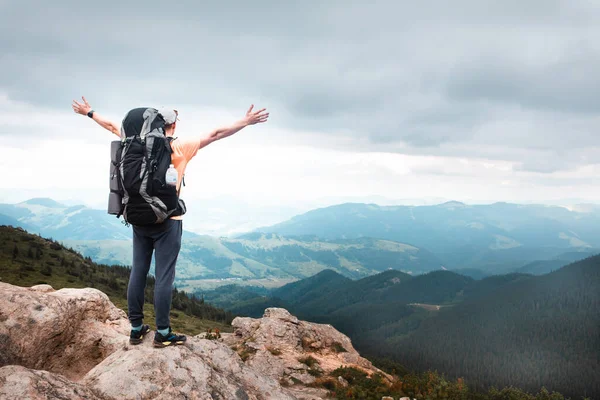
pixel 256 117
pixel 81 108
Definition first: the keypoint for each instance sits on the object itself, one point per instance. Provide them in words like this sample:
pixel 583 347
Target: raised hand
pixel 257 117
pixel 80 108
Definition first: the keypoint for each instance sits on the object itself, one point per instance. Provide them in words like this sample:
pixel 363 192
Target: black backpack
pixel 139 163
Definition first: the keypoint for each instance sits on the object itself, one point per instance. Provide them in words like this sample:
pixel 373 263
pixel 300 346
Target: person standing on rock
pixel 163 239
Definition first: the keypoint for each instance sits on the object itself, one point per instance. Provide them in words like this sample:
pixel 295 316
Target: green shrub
pixel 338 348
pixel 309 361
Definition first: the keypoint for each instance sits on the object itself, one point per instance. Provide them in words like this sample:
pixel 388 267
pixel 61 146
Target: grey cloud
pixel 565 85
pixel 418 78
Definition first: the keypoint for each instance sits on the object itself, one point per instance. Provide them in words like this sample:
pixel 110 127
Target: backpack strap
pixel 149 116
pixel 123 136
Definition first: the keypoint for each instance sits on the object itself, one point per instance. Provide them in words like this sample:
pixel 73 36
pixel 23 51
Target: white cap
pixel 169 115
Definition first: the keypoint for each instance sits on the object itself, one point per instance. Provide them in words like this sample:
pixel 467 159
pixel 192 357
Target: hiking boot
pixel 169 340
pixel 136 337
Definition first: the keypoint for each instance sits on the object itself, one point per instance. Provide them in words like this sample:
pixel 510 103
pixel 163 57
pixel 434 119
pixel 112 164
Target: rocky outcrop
pixel 73 344
pixel 67 331
pixel 292 351
pixel 202 369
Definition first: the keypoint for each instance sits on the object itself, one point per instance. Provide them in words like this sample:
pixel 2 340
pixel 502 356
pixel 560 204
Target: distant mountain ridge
pixel 50 218
pixel 44 202
pixel 61 222
pixel 273 259
pixel 355 240
pixel 330 293
pixel 494 237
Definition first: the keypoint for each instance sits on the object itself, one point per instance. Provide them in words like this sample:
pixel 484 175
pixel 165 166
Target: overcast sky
pixel 469 100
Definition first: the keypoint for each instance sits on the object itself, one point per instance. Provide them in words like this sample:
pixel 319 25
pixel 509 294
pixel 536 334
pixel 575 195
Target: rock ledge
pixel 77 346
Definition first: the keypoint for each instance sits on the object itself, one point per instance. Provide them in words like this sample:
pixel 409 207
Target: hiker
pixel 163 238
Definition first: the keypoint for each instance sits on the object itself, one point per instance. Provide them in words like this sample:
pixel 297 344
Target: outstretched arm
pixel 84 108
pixel 251 118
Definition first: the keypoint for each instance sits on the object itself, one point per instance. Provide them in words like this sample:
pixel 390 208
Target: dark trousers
pixel 165 240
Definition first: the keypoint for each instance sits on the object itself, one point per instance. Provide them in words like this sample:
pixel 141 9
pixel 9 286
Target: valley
pixel 355 240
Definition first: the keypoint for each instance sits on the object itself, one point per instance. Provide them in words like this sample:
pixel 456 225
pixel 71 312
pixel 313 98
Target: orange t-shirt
pixel 183 152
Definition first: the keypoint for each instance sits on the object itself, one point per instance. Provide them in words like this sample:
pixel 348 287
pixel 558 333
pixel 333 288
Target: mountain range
pixel 493 238
pixel 61 222
pixel 355 240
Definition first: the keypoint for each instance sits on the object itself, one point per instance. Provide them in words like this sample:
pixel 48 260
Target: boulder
pixel 201 369
pixel 17 383
pixel 282 347
pixel 67 331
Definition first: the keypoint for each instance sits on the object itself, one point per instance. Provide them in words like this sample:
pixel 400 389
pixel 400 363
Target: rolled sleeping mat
pixel 115 185
pixel 114 203
pixel 115 196
pixel 115 146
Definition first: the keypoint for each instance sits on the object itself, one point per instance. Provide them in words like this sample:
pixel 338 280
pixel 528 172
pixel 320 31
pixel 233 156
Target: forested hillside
pixel 539 331
pixel 27 260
